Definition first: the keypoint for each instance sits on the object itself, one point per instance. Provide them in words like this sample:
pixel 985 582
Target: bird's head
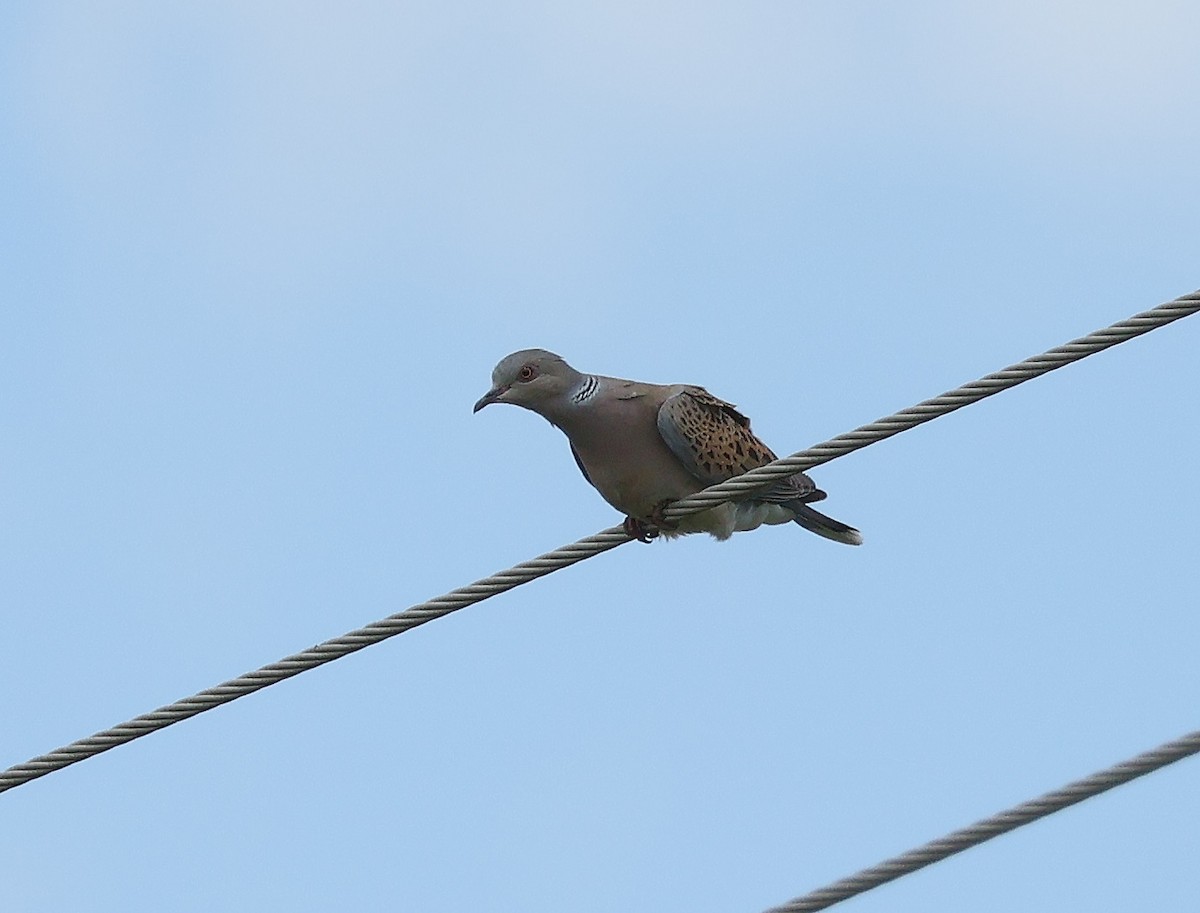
pixel 532 378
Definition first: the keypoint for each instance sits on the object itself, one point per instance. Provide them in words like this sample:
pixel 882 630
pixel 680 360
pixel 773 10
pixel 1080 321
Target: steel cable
pixel 1001 823
pixel 593 545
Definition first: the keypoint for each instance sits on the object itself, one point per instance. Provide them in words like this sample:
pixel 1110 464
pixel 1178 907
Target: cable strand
pixel 968 393
pixel 994 826
pixel 588 547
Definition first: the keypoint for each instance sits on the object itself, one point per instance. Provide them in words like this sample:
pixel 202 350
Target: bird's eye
pixel 527 373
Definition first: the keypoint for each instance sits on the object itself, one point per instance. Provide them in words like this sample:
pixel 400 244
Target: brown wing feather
pixel 714 442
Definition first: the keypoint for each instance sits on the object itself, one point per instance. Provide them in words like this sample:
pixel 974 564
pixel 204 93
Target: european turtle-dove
pixel 643 446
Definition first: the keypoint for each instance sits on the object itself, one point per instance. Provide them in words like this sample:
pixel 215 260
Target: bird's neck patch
pixel 586 390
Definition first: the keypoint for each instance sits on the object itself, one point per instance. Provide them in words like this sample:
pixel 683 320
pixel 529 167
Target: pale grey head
pixel 533 378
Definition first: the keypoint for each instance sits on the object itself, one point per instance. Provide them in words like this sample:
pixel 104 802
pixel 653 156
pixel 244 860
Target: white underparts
pixel 726 519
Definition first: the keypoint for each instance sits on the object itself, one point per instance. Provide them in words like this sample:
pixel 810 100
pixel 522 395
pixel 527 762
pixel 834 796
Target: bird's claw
pixel 638 529
pixel 643 531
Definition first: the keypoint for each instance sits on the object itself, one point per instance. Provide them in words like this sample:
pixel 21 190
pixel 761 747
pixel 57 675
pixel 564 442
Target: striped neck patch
pixel 586 390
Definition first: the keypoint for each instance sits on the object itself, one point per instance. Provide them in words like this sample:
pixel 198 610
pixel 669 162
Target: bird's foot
pixel 648 529
pixel 639 529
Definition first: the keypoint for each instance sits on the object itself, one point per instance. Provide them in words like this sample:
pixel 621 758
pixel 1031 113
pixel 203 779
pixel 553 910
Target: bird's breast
pixel 631 466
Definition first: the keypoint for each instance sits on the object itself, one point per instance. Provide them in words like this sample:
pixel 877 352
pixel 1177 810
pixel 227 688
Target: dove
pixel 642 446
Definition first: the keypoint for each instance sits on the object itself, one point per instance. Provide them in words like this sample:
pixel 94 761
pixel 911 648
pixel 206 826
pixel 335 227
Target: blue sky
pixel 258 261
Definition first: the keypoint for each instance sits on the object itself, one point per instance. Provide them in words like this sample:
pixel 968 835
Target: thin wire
pixel 311 658
pixel 1002 823
pixel 930 409
pixel 592 545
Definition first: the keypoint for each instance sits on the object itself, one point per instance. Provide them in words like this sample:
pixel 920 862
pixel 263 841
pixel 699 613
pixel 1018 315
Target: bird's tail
pixel 816 522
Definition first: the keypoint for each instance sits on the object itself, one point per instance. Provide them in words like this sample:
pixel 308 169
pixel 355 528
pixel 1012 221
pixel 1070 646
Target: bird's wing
pixel 714 443
pixel 582 468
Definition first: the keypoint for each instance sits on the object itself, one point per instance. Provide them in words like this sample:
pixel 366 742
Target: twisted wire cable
pixel 318 655
pixel 968 393
pixel 610 538
pixel 1001 823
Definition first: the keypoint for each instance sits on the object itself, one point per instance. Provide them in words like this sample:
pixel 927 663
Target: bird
pixel 643 446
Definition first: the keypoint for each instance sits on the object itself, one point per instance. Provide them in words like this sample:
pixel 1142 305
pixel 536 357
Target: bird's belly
pixel 640 482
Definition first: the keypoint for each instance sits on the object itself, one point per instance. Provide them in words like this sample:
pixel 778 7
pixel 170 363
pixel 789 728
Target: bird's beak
pixel 492 396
